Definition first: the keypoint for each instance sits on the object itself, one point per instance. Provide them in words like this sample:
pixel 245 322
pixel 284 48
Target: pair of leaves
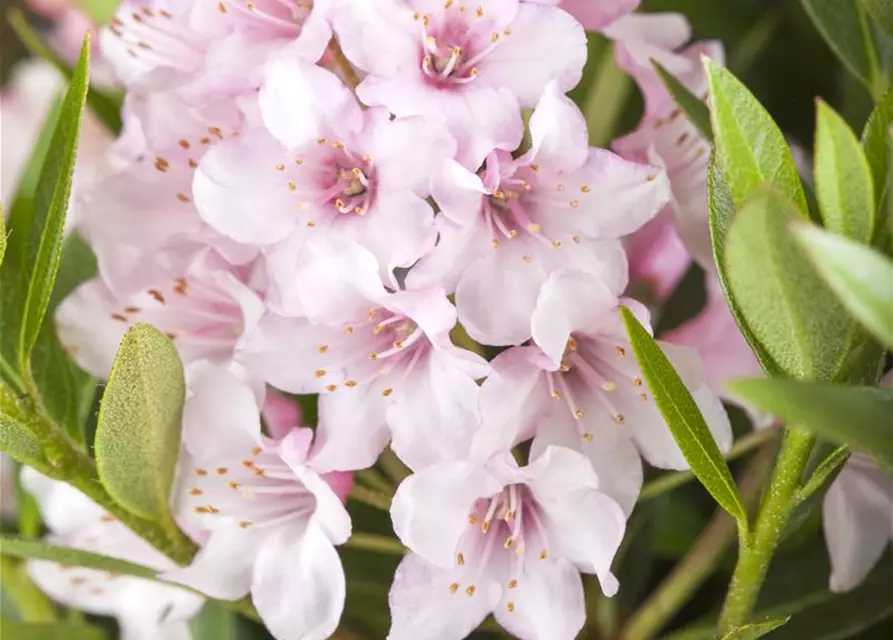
pixel 855 416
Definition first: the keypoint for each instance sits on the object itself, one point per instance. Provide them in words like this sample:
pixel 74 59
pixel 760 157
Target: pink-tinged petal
pixel 422 605
pixel 434 413
pixel 584 525
pixel 221 415
pixel 856 516
pixel 657 258
pixel 329 514
pixel 548 602
pixel 298 98
pixel 88 327
pixel 595 16
pixel 457 245
pixel 650 36
pixel 378 37
pixel 294 445
pixel 63 508
pixel 616 196
pixel 569 301
pixel 604 258
pixel 281 414
pixel 222 568
pixel 487 118
pixel 240 192
pixel 513 399
pixel 298 586
pixel 430 509
pixel 428 308
pixel 458 193
pixel 543 44
pixel 341 482
pixel 352 431
pixel 151 610
pixel 558 132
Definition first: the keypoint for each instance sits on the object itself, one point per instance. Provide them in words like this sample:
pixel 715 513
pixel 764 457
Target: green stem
pixel 377 543
pixel 670 481
pixel 756 552
pixel 393 466
pixel 604 102
pixel 698 564
pixel 370 497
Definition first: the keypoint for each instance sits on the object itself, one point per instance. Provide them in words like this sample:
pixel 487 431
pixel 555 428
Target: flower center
pixel 454 43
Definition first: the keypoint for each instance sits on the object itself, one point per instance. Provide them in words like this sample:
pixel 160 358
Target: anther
pixel 221 471
pixel 460 559
pixel 470 590
pixel 454 587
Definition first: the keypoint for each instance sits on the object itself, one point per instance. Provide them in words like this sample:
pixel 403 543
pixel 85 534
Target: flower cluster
pixel 310 197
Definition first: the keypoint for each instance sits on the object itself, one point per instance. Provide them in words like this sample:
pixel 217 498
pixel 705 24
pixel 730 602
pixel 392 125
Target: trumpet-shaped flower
pixel 273 519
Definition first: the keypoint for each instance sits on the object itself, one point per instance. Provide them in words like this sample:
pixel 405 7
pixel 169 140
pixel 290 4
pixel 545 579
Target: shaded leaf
pixel 881 12
pixel 2 236
pixel 138 431
pixel 878 145
pixel 843 183
pixel 786 305
pixel 861 277
pixel 750 147
pixel 693 107
pixel 855 416
pixel 684 420
pixel 755 630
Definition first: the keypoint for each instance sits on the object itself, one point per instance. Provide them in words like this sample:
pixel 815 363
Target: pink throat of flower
pixel 453 48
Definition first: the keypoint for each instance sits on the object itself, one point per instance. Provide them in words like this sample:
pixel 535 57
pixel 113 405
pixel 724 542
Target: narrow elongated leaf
pixel 827 469
pixel 845 28
pixel 755 630
pixel 855 416
pixel 861 277
pixel 881 12
pixel 50 208
pixel 750 146
pixel 48 631
pixel 693 107
pixel 877 141
pixel 138 432
pixel 721 211
pixel 786 305
pixel 843 183
pixel 685 420
pixel 28 549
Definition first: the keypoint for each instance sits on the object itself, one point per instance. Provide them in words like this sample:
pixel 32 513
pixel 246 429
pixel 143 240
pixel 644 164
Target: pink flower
pixel 561 204
pixel 273 518
pixel 380 360
pixel 465 65
pixel 658 259
pixel 145 609
pixel 594 15
pixel 724 352
pixel 205 309
pixel 582 388
pixel 664 136
pixel 857 516
pixel 334 173
pixel 489 536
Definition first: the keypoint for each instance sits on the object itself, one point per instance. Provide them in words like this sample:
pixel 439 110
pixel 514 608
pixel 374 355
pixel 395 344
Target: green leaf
pixel 16 438
pixel 845 28
pixel 861 278
pixel 842 178
pixel 138 431
pixel 750 147
pixel 755 630
pixel 789 309
pixel 28 549
pixel 106 107
pixel 216 623
pixel 858 417
pixel 878 145
pixel 2 236
pixel 48 631
pixel 882 13
pixel 692 106
pixel 721 210
pixel 684 420
pixel 825 472
pixel 44 249
pixel 101 11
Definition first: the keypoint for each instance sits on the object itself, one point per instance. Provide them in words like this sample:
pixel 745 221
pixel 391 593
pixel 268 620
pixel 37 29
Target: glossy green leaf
pixel 844 26
pixel 105 106
pixel 693 107
pixel 15 630
pixel 881 11
pixel 750 147
pixel 825 472
pixel 138 431
pixel 843 182
pixel 855 416
pixel 684 420
pixel 45 240
pixel 755 630
pixel 721 211
pixel 790 310
pixel 28 549
pixel 861 277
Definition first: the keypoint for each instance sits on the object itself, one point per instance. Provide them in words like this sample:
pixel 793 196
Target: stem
pixel 370 497
pixel 393 466
pixel 756 553
pixel 698 564
pixel 374 479
pixel 342 64
pixel 670 481
pixel 375 542
pixel 604 101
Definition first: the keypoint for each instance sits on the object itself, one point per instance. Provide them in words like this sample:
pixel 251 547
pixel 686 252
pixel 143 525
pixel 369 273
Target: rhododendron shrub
pixel 327 318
